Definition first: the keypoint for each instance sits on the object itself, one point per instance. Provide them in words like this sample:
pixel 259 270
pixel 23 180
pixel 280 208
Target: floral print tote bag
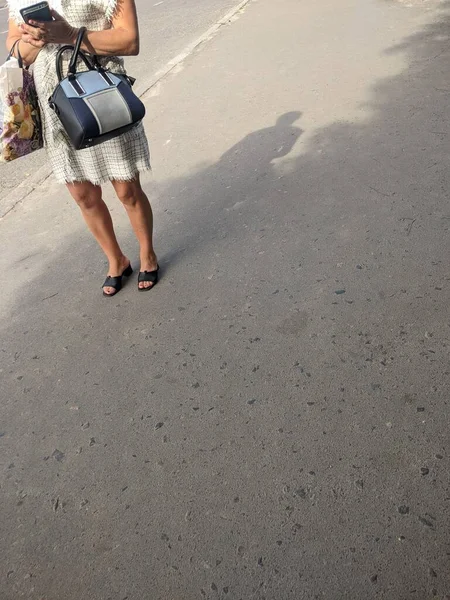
pixel 20 121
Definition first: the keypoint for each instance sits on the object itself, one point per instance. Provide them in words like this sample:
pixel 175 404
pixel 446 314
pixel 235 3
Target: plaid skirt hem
pixel 131 176
pixel 119 159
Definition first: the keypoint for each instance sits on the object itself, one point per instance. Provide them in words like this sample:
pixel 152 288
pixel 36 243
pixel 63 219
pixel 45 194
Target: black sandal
pixel 116 282
pixel 150 276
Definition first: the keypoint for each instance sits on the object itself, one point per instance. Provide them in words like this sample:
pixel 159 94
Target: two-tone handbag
pixel 94 105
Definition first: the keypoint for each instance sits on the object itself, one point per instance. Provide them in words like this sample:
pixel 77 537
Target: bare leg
pixel 98 219
pixel 139 211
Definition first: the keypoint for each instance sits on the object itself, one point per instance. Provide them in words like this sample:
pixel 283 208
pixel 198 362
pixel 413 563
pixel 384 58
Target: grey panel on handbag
pixel 109 109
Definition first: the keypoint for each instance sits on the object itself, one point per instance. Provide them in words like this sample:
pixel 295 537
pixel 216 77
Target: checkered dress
pixel 120 159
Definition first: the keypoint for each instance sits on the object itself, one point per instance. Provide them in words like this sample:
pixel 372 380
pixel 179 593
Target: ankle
pixel 118 262
pixel 148 256
pixel 149 261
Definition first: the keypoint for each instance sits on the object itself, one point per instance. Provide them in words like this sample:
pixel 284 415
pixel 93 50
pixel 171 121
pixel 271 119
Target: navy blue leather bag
pixel 94 105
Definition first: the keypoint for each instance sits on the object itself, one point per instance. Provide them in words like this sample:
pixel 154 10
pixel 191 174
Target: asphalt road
pixel 271 421
pixel 167 27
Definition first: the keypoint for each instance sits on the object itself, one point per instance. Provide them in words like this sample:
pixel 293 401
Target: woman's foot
pixel 148 272
pixel 117 270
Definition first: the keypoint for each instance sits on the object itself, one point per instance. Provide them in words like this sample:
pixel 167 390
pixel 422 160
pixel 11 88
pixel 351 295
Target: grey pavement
pixel 167 27
pixel 271 421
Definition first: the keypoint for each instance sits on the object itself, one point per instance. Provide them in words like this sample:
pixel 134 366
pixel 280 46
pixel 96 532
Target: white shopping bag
pixel 20 120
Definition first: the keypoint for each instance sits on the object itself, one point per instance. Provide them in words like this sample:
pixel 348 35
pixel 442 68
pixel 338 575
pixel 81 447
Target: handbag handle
pixel 76 51
pixel 81 55
pixel 15 47
pixel 92 63
pixel 76 54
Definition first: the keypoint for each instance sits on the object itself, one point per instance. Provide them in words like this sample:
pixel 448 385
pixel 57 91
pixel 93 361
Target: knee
pixel 86 200
pixel 128 194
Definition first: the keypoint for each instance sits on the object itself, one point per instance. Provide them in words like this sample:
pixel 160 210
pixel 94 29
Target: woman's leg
pixel 136 203
pixel 98 219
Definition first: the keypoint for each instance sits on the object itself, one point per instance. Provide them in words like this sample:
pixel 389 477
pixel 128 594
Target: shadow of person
pixel 244 173
pixel 264 146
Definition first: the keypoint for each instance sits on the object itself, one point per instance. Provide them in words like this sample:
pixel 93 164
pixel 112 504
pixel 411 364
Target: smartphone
pixel 38 12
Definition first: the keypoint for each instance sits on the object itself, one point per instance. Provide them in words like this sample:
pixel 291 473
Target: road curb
pixel 30 184
pixel 177 60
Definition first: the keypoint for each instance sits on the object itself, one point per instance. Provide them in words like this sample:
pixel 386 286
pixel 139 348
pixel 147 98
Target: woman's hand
pixel 120 39
pixel 51 32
